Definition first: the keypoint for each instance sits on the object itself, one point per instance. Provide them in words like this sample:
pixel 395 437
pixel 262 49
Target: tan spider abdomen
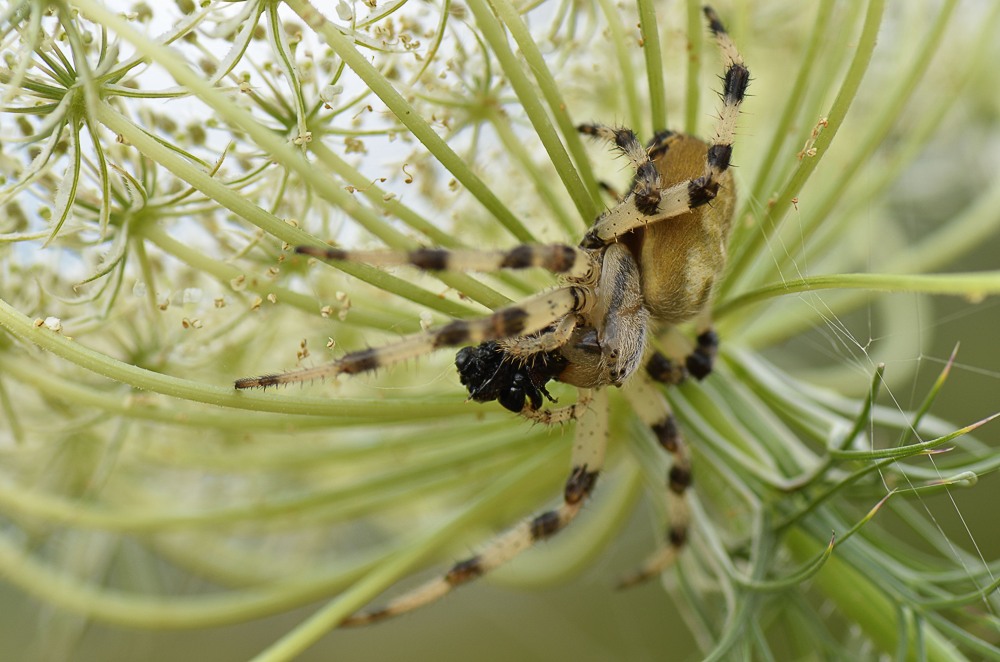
pixel 681 257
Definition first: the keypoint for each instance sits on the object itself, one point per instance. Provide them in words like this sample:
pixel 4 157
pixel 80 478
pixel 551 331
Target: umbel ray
pixel 650 261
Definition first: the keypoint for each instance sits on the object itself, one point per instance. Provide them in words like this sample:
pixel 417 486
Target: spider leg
pixel 525 347
pixel 558 258
pixel 663 370
pixel 622 336
pixel 635 212
pixel 560 415
pixel 589 445
pixel 657 145
pixel 646 187
pixel 531 315
pixel 699 363
pixel 655 412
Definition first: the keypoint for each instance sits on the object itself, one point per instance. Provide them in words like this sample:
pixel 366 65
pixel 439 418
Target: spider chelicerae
pixel 650 260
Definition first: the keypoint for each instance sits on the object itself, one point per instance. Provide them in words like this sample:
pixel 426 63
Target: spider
pixel 651 259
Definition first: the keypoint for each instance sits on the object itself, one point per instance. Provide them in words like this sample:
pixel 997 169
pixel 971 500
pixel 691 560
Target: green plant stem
pixel 975 225
pixel 626 81
pixel 146 380
pixel 274 226
pixel 864 603
pixel 281 151
pixel 406 114
pixel 654 64
pixel 531 102
pixel 403 562
pixel 226 273
pixel 587 198
pixel 783 129
pixel 776 212
pixel 692 95
pixel 333 504
pixel 542 180
pixel 877 128
pixel 180 612
pixel 975 285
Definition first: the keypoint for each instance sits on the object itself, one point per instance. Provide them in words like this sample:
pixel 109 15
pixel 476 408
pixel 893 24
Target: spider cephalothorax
pixel 647 264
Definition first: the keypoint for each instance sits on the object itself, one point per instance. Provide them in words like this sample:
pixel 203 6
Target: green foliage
pixel 159 164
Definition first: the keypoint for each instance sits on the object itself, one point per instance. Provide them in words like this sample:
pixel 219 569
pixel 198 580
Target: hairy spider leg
pixel 589 444
pixel 622 307
pixel 529 316
pixel 644 205
pixel 655 412
pixel 560 415
pixel 664 370
pixel 699 363
pixel 570 261
pixel 646 187
pixel 546 342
